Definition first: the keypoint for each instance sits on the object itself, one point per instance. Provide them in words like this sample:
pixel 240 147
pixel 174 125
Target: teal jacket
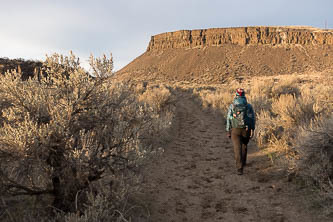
pixel 250 113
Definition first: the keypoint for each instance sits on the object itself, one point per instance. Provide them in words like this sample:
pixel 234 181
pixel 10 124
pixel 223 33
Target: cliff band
pixel 221 54
pixel 241 36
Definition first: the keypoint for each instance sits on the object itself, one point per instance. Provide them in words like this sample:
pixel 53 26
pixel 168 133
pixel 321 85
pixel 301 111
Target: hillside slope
pixel 216 55
pixel 27 68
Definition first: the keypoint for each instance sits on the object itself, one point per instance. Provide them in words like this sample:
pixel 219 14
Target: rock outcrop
pixel 241 36
pixel 219 55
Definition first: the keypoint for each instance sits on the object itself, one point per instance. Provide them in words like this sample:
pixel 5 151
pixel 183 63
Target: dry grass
pixel 215 97
pixel 157 97
pixel 294 121
pixel 314 146
pixel 159 100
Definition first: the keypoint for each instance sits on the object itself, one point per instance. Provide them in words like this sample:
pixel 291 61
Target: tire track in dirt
pixel 195 179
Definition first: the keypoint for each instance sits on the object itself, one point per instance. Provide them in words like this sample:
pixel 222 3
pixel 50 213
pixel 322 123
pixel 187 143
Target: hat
pixel 240 92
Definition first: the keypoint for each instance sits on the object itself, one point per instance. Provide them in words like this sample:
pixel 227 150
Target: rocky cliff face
pixel 220 55
pixel 241 36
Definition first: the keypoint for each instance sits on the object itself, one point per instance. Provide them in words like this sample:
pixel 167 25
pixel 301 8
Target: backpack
pixel 239 113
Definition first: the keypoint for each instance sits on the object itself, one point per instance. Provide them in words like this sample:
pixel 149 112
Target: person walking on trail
pixel 240 127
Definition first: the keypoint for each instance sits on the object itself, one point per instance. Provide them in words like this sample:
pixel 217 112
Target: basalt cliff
pixel 219 54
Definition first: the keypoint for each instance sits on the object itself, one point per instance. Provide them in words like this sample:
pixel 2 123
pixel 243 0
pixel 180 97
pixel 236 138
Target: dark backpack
pixel 239 114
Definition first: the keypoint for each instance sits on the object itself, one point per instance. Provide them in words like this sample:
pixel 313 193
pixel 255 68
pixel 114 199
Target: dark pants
pixel 240 138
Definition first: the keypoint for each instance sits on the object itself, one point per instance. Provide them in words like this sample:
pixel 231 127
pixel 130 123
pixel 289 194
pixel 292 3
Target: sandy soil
pixel 195 179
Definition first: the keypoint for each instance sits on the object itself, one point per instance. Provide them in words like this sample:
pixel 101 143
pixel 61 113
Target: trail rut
pixel 195 179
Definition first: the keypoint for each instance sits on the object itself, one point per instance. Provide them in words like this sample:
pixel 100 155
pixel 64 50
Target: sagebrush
pixel 294 121
pixel 73 138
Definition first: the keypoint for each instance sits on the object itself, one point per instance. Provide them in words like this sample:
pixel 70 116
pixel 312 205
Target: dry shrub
pixel 286 86
pixel 160 101
pixel 260 94
pixel 293 111
pixel 281 107
pixel 268 128
pixel 294 123
pixel 140 87
pixel 315 156
pixel 108 204
pixel 218 99
pixel 286 110
pixel 66 135
pixel 156 97
pixel 322 95
pixel 261 87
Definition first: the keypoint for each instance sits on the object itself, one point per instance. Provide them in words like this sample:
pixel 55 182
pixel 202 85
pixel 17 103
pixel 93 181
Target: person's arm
pixel 228 117
pixel 252 117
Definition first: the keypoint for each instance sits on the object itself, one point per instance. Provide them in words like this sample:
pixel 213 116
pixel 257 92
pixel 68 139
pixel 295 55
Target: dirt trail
pixel 195 179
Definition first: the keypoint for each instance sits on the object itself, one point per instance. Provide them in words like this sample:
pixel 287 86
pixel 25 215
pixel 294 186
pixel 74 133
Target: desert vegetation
pixel 147 143
pixel 71 144
pixel 294 124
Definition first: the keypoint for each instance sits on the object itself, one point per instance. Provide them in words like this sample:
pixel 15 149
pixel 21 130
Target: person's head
pixel 240 92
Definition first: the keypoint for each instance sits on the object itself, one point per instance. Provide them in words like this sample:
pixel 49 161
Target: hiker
pixel 240 127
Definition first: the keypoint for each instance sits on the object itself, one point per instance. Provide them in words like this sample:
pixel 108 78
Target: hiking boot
pixel 240 171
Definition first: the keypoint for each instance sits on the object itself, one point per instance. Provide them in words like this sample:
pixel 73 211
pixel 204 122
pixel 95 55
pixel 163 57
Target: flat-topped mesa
pixel 221 55
pixel 241 36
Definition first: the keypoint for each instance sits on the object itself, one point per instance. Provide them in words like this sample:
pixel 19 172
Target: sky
pixel 31 29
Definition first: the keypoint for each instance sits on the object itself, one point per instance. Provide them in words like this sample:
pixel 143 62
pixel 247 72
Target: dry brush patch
pixel 294 122
pixel 74 142
pixel 161 102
